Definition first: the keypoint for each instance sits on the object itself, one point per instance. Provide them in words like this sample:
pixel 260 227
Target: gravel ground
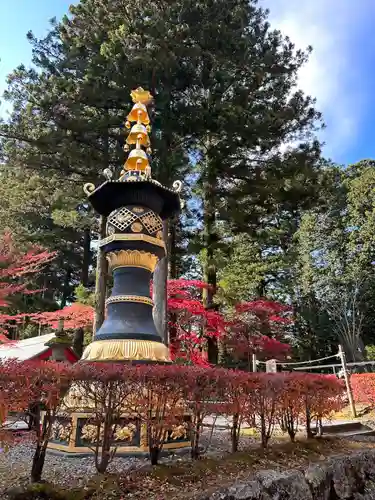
pixel 58 468
pixel 73 471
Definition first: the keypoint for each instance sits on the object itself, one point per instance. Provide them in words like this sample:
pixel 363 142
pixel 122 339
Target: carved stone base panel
pixel 127 350
pixel 76 434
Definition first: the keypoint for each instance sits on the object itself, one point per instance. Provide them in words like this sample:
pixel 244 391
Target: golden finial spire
pixel 137 161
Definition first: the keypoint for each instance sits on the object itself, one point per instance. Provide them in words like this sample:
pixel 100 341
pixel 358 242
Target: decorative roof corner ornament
pixel 108 174
pixel 89 188
pixel 177 186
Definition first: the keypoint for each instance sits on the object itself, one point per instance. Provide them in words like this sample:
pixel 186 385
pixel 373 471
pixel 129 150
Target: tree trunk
pixel 66 288
pixel 38 464
pixel 195 436
pixel 154 455
pixel 208 296
pixel 102 465
pixel 34 416
pixel 78 340
pixel 292 435
pixel 86 257
pixel 210 240
pixel 319 427
pixel 283 425
pixel 309 433
pixel 235 432
pixel 263 431
pixel 101 279
pixel 39 455
pixel 160 281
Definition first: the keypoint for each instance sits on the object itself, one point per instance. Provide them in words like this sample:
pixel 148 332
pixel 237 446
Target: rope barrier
pixel 301 362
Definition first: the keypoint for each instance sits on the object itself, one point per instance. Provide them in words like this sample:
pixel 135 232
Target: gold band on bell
pixel 132 258
pixel 129 298
pixel 126 350
pixel 132 237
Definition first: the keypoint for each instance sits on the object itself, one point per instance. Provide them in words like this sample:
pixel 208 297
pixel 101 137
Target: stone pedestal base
pixel 75 435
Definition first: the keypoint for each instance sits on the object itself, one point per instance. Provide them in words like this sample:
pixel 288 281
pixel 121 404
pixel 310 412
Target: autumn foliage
pixel 190 324
pixel 16 391
pixel 363 385
pixel 159 398
pixel 74 316
pixel 16 270
pixel 16 267
pixel 256 328
pixel 27 387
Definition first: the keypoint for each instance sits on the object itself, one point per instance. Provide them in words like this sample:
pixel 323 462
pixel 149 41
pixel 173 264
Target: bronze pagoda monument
pixel 135 206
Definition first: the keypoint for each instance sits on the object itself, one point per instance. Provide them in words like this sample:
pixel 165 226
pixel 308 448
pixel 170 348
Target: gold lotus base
pixel 127 350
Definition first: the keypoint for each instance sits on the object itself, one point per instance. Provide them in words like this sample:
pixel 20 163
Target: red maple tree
pixel 16 270
pixel 190 324
pixel 256 327
pixel 16 391
pixel 74 316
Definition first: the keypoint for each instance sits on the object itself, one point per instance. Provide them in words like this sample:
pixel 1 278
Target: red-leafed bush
pixel 16 392
pixel 323 395
pixel 290 399
pixel 206 388
pixel 363 385
pixel 154 396
pixel 32 385
pixel 239 387
pixel 107 390
pixel 292 408
pixel 160 403
pixel 158 397
pixel 51 381
pixel 265 403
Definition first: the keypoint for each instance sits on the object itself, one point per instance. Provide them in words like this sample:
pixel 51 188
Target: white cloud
pixel 334 28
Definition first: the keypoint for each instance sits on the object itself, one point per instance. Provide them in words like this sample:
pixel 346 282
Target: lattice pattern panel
pixel 122 218
pixel 151 222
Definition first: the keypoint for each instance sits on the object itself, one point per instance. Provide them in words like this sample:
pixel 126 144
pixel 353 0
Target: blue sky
pixel 17 17
pixel 340 73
